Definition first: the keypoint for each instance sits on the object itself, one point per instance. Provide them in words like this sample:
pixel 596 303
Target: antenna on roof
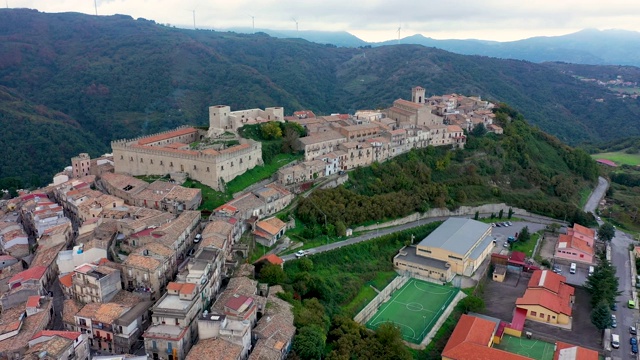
pixel 295 21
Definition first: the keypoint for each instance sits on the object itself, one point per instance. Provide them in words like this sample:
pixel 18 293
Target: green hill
pixel 119 77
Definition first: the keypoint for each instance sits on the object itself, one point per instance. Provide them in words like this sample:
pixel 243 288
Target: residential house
pixel 23 285
pixel 576 245
pixel 20 323
pixel 70 307
pixel 548 298
pixel 128 328
pixel 358 154
pixel 7 261
pixel 123 186
pixel 144 275
pixel 220 234
pixel 216 348
pixel 55 235
pixel 321 143
pixel 79 348
pixel 234 301
pixel 95 283
pixel 267 232
pixel 274 332
pixel 174 322
pixel 565 351
pixel 46 257
pixel 98 322
pixel 171 197
pixel 217 326
pixel 205 270
pixel 89 252
pixel 12 235
pixel 472 339
pixel 303 172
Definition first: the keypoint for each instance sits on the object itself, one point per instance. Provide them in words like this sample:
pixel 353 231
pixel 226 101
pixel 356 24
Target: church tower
pixel 417 95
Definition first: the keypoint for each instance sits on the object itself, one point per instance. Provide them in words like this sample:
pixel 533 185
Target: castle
pixel 199 154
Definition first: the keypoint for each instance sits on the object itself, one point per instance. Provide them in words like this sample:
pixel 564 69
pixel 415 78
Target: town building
pixel 174 325
pixel 128 328
pixel 275 330
pixel 80 165
pixel 216 348
pixel 222 119
pixel 216 326
pixel 98 322
pixel 77 346
pixel 95 283
pixel 268 231
pixel 576 245
pixel 457 247
pixel 19 324
pixel 548 298
pixel 473 338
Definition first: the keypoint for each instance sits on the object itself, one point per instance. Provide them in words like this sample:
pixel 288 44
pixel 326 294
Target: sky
pixel 374 20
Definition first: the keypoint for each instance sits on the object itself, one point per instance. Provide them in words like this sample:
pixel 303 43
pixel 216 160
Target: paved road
pixel 596 195
pixel 532 222
pixel 626 316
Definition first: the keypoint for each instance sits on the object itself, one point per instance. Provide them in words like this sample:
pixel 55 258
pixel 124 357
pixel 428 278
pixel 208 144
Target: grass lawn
pixel 260 173
pixel 619 157
pixel 584 196
pixel 526 247
pixel 211 199
pixel 367 294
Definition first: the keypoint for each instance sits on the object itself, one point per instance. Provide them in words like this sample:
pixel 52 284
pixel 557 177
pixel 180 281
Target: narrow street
pixel 626 317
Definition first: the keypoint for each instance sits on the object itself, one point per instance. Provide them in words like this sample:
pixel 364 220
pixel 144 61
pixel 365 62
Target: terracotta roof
pixel 89 311
pixel 187 288
pixel 46 257
pixel 71 335
pixel 470 341
pixel 566 351
pixel 271 258
pixel 213 348
pixel 31 324
pixel 238 302
pixel 272 225
pixel 54 349
pixel 142 262
pixel 558 303
pixel 407 103
pixel 454 128
pixel 33 273
pixel 109 312
pixel 583 230
pixel 33 301
pixel 174 286
pixel 167 135
pixel 125 299
pixel 70 308
pixel 547 280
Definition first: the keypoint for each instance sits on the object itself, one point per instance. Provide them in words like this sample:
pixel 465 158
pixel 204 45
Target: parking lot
pixel 579 278
pixel 502 233
pixel 500 299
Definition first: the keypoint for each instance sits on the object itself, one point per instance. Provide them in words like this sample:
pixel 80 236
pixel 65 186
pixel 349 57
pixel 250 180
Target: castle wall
pixel 205 168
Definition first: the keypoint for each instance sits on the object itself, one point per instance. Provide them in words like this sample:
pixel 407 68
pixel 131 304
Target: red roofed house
pixel 576 245
pixel 269 259
pixel 34 276
pixel 80 344
pixel 566 351
pixel 472 339
pixel 268 231
pixel 241 307
pixel 547 299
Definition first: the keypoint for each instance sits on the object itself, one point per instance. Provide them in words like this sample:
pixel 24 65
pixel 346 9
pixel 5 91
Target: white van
pixel 572 269
pixel 591 270
pixel 615 341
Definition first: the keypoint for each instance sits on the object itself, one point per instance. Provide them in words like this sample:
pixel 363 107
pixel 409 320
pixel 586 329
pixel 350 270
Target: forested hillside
pixel 117 77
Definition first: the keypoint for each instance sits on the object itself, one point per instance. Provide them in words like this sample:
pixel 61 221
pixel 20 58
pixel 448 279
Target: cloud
pixel 376 20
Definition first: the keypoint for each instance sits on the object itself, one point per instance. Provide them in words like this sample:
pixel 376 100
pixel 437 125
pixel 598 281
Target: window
pixel 121 157
pixel 161 162
pixel 533 313
pixel 541 315
pixel 221 168
pixel 194 167
pixel 241 161
pixel 249 157
pixel 154 345
pixel 151 161
pixel 141 160
pixel 131 158
pixel 207 169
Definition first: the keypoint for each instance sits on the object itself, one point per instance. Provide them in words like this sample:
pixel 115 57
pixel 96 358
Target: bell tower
pixel 417 95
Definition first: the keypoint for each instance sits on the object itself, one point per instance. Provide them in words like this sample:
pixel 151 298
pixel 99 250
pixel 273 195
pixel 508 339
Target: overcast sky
pixel 375 20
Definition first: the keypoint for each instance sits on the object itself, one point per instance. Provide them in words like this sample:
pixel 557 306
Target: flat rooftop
pixel 409 255
pixel 173 302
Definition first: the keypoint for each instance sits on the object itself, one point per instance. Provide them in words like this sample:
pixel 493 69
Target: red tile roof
pixel 67 280
pixel 71 335
pixel 237 302
pixel 167 135
pixel 33 301
pixel 547 280
pixel 34 273
pixel 470 340
pixel 272 258
pixel 570 351
pixel 187 288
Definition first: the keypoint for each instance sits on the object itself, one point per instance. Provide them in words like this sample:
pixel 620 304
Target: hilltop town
pixel 102 264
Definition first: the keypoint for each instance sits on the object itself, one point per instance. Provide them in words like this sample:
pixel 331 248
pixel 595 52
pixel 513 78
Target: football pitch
pixel 535 349
pixel 414 308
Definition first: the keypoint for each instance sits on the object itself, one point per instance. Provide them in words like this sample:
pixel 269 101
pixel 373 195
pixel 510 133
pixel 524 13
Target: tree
pixel 510 213
pixel 606 232
pixel 306 264
pixel 272 274
pixel 479 130
pixel 309 342
pixel 291 136
pixel 475 217
pixel 524 234
pixel 271 131
pixel 472 304
pixel 603 283
pixel 601 316
pixel 500 214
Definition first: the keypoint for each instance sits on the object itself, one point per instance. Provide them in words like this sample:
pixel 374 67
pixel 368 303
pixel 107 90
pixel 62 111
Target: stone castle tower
pixel 417 95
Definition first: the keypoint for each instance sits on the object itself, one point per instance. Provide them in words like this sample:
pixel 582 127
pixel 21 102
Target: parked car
pixel 509 223
pixel 197 238
pixel 302 253
pixel 498 225
pixel 191 252
pixel 511 239
pixel 505 224
pixel 633 341
pixel 493 224
pixel 506 244
pixel 634 348
pixel 633 330
pixel 614 307
pixel 557 269
pixel 614 321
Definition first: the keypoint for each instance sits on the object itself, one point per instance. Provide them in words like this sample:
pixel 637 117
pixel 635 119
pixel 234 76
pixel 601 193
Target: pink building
pixel 577 245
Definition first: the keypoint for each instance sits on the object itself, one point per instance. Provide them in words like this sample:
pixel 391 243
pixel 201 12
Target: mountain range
pixel 589 46
pixel 71 83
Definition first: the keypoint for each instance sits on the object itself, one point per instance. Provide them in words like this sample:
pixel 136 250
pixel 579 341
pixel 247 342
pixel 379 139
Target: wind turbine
pixel 194 18
pixel 295 21
pixel 95 4
pixel 399 28
pixel 253 23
